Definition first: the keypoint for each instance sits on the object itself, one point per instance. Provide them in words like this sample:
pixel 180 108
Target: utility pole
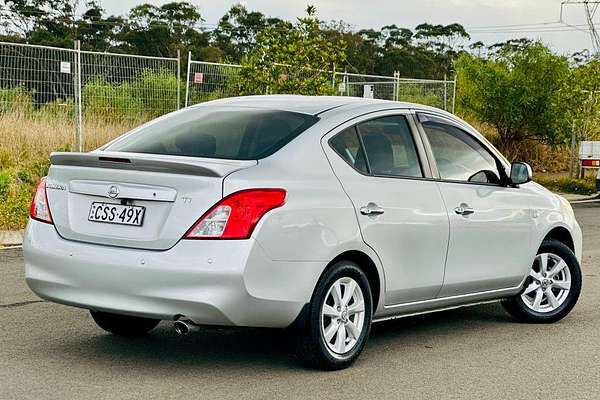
pixel 590 8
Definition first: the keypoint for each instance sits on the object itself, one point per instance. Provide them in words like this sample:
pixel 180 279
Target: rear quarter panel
pixel 317 222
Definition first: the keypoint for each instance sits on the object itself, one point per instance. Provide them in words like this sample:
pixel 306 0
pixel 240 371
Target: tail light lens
pixel 40 209
pixel 236 216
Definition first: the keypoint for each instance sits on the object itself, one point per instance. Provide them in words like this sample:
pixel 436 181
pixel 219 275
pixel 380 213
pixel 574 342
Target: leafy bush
pixel 5 180
pixel 516 92
pixel 292 58
pixel 586 186
pixel 147 96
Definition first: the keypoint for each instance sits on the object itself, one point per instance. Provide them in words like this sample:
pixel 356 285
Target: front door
pixel 399 209
pixel 490 223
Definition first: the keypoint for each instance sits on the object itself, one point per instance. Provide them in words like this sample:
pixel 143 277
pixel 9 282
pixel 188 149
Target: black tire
pixel 315 351
pixel 123 325
pixel 516 305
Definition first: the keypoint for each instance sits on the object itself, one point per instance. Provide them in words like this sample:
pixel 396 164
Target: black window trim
pixel 504 180
pixel 415 135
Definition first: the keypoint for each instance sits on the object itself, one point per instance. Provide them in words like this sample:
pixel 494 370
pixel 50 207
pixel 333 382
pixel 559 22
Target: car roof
pixel 313 105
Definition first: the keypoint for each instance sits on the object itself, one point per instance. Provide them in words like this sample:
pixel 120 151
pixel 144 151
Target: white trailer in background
pixel 589 158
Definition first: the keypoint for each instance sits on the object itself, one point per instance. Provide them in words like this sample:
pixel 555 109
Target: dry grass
pixel 24 138
pixel 542 157
pixel 26 141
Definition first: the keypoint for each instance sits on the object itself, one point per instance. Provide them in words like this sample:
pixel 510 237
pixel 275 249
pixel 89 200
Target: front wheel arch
pixel 561 234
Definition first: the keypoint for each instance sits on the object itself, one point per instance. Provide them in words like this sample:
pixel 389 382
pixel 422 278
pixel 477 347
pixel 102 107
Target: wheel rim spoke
pixel 552 298
pixel 331 330
pixel 350 288
pixel 356 308
pixel 532 287
pixel 557 268
pixel 539 295
pixel 543 258
pixel 352 330
pixel 337 294
pixel 535 275
pixel 563 285
pixel 330 311
pixel 340 341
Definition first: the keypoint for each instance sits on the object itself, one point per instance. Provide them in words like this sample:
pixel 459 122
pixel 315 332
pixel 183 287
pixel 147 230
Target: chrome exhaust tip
pixel 185 326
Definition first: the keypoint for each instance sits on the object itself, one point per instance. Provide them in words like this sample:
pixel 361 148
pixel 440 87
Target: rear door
pixel 379 162
pixel 490 223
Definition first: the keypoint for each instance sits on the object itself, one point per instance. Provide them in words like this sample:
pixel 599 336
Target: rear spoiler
pixel 151 163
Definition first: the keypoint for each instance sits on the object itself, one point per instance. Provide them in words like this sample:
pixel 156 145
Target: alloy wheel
pixel 549 283
pixel 342 316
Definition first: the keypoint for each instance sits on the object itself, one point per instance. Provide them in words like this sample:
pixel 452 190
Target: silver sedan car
pixel 323 214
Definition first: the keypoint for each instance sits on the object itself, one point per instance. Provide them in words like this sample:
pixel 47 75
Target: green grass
pixel 15 197
pixel 564 184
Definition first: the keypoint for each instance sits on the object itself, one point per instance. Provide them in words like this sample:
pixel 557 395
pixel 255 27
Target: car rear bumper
pixel 210 282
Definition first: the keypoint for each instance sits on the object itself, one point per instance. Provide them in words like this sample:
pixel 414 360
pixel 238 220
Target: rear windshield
pixel 237 134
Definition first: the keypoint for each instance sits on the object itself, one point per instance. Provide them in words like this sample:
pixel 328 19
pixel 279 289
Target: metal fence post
pixel 396 92
pixel 78 101
pixel 333 88
pixel 454 93
pixel 178 79
pixel 187 78
pixel 445 92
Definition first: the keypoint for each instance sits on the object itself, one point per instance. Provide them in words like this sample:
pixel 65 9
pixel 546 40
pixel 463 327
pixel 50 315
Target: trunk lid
pixel 174 191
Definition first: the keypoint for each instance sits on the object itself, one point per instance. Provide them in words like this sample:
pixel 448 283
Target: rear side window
pixel 390 147
pixel 347 145
pixel 229 133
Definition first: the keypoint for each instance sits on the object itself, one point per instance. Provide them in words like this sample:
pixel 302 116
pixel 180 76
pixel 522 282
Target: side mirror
pixel 520 173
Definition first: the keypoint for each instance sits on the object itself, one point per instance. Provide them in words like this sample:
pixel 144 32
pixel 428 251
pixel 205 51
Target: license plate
pixel 116 214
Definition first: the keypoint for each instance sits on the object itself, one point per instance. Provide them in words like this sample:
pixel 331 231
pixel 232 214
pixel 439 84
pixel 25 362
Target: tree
pixel 580 101
pixel 237 30
pixel 161 31
pixel 55 23
pixel 293 58
pixel 517 92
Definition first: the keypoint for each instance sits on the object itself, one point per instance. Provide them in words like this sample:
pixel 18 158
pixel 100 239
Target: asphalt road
pixel 48 351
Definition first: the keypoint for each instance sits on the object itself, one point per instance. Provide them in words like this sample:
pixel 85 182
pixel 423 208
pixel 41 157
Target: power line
pixel 590 8
pixel 540 27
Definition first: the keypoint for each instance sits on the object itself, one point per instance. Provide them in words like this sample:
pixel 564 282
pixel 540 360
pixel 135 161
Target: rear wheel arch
pixel 561 234
pixel 367 265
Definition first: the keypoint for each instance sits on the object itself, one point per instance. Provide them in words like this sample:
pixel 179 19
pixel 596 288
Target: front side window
pixel 459 157
pixel 229 133
pixel 389 146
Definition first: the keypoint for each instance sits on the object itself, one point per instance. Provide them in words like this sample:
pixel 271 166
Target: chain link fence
pixel 126 86
pixel 34 77
pixel 74 88
pixel 209 81
pixel 91 91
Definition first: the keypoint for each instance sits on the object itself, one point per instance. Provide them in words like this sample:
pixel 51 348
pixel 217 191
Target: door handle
pixel 371 209
pixel 464 209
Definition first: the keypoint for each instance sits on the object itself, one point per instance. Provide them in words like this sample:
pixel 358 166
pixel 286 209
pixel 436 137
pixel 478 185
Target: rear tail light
pixel 236 216
pixel 40 210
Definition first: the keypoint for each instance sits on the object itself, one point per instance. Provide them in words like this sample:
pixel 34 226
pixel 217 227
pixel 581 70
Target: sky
pixel 486 20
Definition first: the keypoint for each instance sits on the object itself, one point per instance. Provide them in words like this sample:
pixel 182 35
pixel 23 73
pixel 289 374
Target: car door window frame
pixel 501 167
pixel 415 135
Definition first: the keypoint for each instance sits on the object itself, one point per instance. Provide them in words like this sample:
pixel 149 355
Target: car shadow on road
pixel 263 348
